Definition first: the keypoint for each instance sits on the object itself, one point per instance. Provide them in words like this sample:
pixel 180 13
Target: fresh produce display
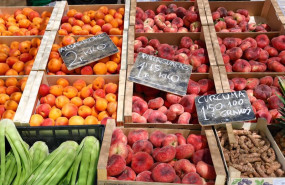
pixel 160 157
pixel 253 55
pixel 105 66
pixel 188 52
pixel 93 22
pixel 154 106
pixel 236 21
pixel 24 22
pixel 70 163
pixel 171 18
pixel 252 155
pixel 263 95
pixel 18 58
pixel 76 104
pixel 11 90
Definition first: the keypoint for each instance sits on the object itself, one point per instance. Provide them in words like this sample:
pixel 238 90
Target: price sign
pixel 87 51
pixel 223 108
pixel 159 73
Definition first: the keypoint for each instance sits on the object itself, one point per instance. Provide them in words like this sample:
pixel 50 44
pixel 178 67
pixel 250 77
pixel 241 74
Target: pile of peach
pixel 154 106
pixel 106 66
pixel 76 104
pixel 230 21
pixel 262 94
pixel 253 55
pixel 169 18
pixel 11 91
pixel 93 22
pixel 24 21
pixel 160 157
pixel 188 52
pixel 18 58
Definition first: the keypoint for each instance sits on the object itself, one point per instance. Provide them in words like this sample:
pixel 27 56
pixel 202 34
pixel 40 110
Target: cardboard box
pixel 102 163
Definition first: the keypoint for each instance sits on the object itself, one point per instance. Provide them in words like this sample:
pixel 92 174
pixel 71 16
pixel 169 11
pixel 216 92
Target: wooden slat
pixel 124 56
pixel 128 98
pixel 53 16
pixel 202 12
pixel 127 15
pixel 208 12
pixel 216 46
pixel 207 38
pixel 133 12
pixel 121 97
pixel 131 38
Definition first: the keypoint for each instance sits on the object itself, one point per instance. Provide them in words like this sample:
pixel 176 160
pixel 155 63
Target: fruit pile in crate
pixel 78 103
pixel 106 66
pixel 24 22
pixel 170 18
pixel 160 157
pixel 93 22
pixel 261 54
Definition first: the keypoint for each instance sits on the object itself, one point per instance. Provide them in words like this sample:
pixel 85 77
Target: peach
pixel 155 103
pixel 44 90
pixel 54 65
pixel 25 46
pixel 184 118
pixel 144 176
pixel 43 110
pixel 157 117
pixel 110 97
pixel 135 135
pixel 205 170
pixel 11 89
pixel 67 27
pixel 3 57
pixel 76 120
pixel 55 113
pixel 86 92
pixel 89 101
pixel 116 165
pixel 56 90
pixel 137 118
pixel 118 149
pixel 76 101
pixel 60 101
pixel 183 166
pixel 16 96
pixel 3 89
pixel 142 146
pixel 156 138
pixel 198 141
pixel 84 111
pixel 3 68
pixel 91 120
pixel 11 61
pixel 69 110
pixel 262 92
pixel 11 105
pixel 4 98
pixel 163 173
pixel 192 177
pixel 70 92
pixel 36 120
pixel 101 104
pixel 184 151
pixel 49 99
pixel 111 88
pixel 98 83
pixel 62 82
pixel 202 155
pixel 61 121
pixel 112 107
pixel 79 84
pixel 170 139
pixel 48 122
pixel 141 161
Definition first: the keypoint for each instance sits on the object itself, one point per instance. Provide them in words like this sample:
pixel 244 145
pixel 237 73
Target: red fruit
pixel 157 117
pixel 139 106
pixel 150 13
pixel 231 23
pixel 278 42
pixel 188 102
pixel 241 65
pixel 156 138
pixel 136 135
pixel 220 26
pixel 192 178
pixel 202 155
pixel 185 42
pixel 180 12
pixel 142 146
pixel 223 11
pixel 144 176
pixel 119 149
pixel 263 56
pixel 177 180
pixel 155 103
pixel 163 173
pixel 251 83
pixel 259 105
pixel 262 92
pixel 271 51
pixel 198 141
pixel 170 140
pixel 242 12
pixel 206 85
pixel 274 102
pixel 183 166
pixel 230 42
pixel 116 165
pixel 232 85
pixel 206 171
pixel 154 43
pixel 165 51
pixel 127 175
pixel 137 118
pixel 257 66
pixel 216 15
pixel 252 53
pixel 143 39
pixel 44 90
pixel 165 154
pixel 252 42
pixel 234 53
pixel 130 155
pixel 141 161
pixel 181 139
pixel 239 83
pixel 191 16
pixel 243 26
pixel 161 9
pixel 264 114
pixel 267 80
pixel 184 151
pixel 262 40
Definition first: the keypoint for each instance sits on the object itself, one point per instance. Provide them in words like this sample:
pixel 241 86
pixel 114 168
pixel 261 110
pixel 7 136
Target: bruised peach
pixel 98 83
pixel 36 120
pixel 89 101
pixel 63 82
pixel 111 88
pixel 60 101
pixel 16 96
pixel 56 90
pixel 70 92
pixel 76 120
pixel 99 93
pixel 91 120
pixel 79 84
pixel 76 101
pixel 101 104
pixel 86 92
pixel 84 111
pixel 69 110
pixel 61 121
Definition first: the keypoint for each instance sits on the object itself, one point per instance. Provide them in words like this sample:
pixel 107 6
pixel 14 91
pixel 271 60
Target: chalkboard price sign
pixel 223 108
pixel 160 73
pixel 87 51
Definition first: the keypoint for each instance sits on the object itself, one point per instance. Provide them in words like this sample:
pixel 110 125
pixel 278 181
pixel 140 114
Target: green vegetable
pixel 38 152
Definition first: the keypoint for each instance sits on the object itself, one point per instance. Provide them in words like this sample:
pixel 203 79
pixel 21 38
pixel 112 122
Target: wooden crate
pixel 103 158
pixel 173 39
pixel 261 125
pixel 42 78
pixel 242 35
pixel 259 11
pixel 153 6
pixel 55 20
pixel 214 75
pixel 278 11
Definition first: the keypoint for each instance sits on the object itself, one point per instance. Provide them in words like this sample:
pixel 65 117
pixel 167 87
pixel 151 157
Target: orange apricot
pixel 101 104
pixel 102 115
pixel 54 65
pixel 61 121
pixel 76 120
pixel 98 83
pixel 112 66
pixel 69 110
pixel 36 120
pixel 91 120
pixel 54 113
pixel 76 101
pixel 84 111
pixel 12 81
pixel 63 82
pixel 4 98
pixel 60 101
pixel 11 89
pixel 16 96
pixel 89 101
pixel 112 107
pixel 86 92
pixel 3 89
pixel 110 97
pixel 100 69
pixel 56 90
pixel 79 84
pixel 11 105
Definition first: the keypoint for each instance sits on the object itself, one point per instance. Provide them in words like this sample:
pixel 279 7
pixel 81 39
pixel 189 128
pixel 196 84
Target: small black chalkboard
pixel 87 51
pixel 223 108
pixel 160 73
